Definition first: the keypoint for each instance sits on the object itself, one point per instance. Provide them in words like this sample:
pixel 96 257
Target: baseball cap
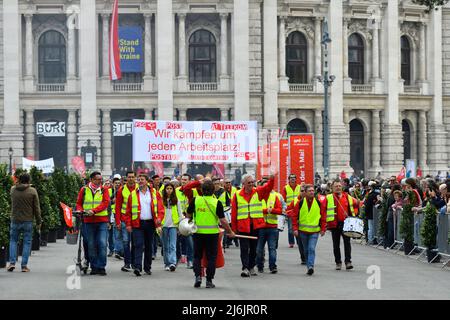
pixel 117 176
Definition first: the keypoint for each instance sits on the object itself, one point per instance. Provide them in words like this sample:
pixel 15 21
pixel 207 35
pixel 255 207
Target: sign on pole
pixel 195 141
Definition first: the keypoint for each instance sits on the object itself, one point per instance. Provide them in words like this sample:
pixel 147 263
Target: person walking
pixel 206 211
pixel 289 193
pixel 143 215
pixel 339 206
pixel 118 245
pixel 93 199
pixel 186 244
pixel 24 209
pixel 122 197
pixel 309 220
pixel 247 217
pixel 228 193
pixel 172 216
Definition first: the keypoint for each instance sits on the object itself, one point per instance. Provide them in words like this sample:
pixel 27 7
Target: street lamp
pixel 327 80
pixel 10 154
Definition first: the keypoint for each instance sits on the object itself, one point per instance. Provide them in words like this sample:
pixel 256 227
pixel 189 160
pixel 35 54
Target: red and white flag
pixel 67 214
pixel 114 53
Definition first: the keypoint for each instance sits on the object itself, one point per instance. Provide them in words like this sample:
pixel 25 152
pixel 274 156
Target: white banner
pixel 121 128
pixel 195 141
pixel 47 166
pixel 51 129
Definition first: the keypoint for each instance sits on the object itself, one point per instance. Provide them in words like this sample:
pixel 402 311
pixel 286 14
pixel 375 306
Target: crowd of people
pixel 133 215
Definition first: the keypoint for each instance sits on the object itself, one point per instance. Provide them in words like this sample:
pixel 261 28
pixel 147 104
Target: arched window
pixel 296 58
pixel 406 60
pixel 357 146
pixel 356 58
pixel 297 126
pixel 202 57
pixel 52 57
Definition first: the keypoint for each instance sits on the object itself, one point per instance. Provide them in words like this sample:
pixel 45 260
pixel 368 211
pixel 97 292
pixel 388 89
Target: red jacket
pixel 277 209
pixel 342 210
pixel 244 224
pixel 296 216
pixel 290 208
pixel 119 201
pixel 102 207
pixel 188 189
pixel 159 215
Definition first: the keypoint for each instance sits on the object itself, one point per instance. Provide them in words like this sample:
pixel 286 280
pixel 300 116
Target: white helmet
pixel 187 228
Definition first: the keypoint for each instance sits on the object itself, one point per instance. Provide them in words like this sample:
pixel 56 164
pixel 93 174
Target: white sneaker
pixel 167 269
pixel 253 272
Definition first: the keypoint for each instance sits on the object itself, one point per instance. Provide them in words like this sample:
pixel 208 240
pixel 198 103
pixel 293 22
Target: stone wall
pixel 446 51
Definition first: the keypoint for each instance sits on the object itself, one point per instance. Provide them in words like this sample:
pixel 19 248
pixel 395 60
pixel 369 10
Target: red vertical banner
pixel 284 163
pixel 274 162
pixel 301 151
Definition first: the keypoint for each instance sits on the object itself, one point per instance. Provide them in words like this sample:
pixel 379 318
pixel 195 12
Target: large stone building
pixel 229 60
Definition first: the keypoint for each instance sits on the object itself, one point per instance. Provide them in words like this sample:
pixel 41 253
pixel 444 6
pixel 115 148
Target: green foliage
pixel 382 224
pixel 407 218
pixel 5 204
pixel 431 4
pixel 428 230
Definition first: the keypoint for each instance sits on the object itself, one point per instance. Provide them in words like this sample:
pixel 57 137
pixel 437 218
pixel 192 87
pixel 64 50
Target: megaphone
pixel 187 228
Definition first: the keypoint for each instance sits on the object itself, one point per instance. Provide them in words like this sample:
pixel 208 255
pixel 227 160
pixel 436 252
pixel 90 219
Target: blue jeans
pixel 125 236
pixel 143 239
pixel 97 240
pixel 370 231
pixel 309 242
pixel 15 229
pixel 118 245
pixel 111 239
pixel 186 247
pixel 269 235
pixel 290 232
pixel 84 234
pixel 169 237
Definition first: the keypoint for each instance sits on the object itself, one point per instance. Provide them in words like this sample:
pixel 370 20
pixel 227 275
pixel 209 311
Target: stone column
pixel 318 141
pixel 224 115
pixel 318 53
pixel 347 80
pixel 423 61
pixel 88 128
pixel 29 134
pixel 241 61
pixel 376 144
pixel 182 115
pixel 148 114
pixel 339 138
pixel 148 76
pixel 105 45
pixel 71 131
pixel 376 81
pixel 224 77
pixel 283 117
pixel 107 142
pixel 28 79
pixel 392 131
pixel 283 80
pixel 422 140
pixel 438 137
pixel 165 59
pixel 270 65
pixel 182 78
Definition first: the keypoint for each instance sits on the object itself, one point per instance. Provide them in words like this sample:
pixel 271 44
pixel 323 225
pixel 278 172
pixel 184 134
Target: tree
pixel 431 4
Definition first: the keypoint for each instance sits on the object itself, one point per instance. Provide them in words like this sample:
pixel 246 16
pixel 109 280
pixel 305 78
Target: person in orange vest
pixel 339 206
pixel 121 207
pixel 144 214
pixel 247 218
pixel 309 218
pixel 93 199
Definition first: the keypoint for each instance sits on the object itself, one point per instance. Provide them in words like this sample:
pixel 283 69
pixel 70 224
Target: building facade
pixel 229 60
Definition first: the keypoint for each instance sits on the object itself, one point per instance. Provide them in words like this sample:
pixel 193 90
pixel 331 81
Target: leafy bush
pixel 407 218
pixel 428 231
pixel 5 204
pixel 382 223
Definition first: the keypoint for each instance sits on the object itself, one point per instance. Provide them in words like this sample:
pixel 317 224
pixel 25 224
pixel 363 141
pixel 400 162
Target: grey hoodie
pixel 25 204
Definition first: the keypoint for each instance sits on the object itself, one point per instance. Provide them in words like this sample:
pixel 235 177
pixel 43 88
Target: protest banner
pixel 47 165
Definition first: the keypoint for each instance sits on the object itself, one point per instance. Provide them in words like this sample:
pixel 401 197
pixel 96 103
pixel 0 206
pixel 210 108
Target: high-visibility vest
pixel 125 194
pixel 135 209
pixel 254 208
pixel 270 203
pixel 182 198
pixel 309 218
pixel 205 217
pixel 223 196
pixel 331 207
pixel 161 189
pixel 291 194
pixel 175 216
pixel 91 201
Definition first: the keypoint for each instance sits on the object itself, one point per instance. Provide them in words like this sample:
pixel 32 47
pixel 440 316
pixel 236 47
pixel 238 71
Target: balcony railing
pixel 127 87
pixel 301 87
pixel 411 89
pixel 362 88
pixel 202 86
pixel 51 87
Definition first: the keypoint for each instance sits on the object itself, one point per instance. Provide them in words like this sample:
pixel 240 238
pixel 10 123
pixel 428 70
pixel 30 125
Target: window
pixel 52 58
pixel 202 57
pixel 296 58
pixel 297 126
pixel 356 59
pixel 406 60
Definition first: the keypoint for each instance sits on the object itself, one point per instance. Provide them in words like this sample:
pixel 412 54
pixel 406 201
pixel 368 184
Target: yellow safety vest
pixel 270 218
pixel 182 198
pixel 125 194
pixel 309 219
pixel 254 208
pixel 205 217
pixel 135 205
pixel 91 201
pixel 175 216
pixel 291 194
pixel 223 197
pixel 161 189
pixel 331 207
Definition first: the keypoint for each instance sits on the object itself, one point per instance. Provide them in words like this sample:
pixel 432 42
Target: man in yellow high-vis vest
pixel 290 192
pixel 309 219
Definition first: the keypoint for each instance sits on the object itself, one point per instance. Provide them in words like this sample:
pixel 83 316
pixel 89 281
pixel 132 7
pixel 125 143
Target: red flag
pixel 159 168
pixel 401 174
pixel 67 214
pixel 114 53
pixel 78 165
